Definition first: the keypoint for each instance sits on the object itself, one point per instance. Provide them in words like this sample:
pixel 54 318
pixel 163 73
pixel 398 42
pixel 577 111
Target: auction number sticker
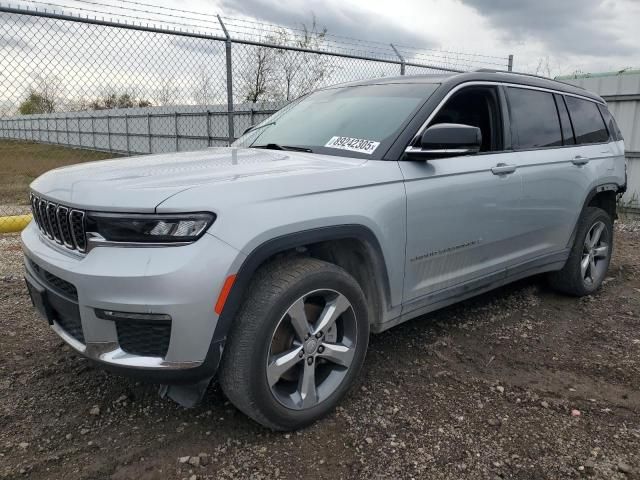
pixel 353 144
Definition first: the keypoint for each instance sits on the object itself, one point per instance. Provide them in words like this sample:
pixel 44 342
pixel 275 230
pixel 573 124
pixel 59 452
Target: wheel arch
pixel 317 243
pixel 602 196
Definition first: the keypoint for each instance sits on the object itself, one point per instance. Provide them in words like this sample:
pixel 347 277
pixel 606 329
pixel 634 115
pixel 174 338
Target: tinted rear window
pixel 534 119
pixel 612 125
pixel 588 124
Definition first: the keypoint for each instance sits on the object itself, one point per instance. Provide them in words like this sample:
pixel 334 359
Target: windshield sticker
pixel 353 144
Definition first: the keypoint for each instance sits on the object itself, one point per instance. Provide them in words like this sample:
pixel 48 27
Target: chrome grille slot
pixel 53 221
pixel 62 214
pixel 60 223
pixel 42 209
pixel 76 218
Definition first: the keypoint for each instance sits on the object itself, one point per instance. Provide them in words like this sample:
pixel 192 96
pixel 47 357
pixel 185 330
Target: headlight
pixel 147 228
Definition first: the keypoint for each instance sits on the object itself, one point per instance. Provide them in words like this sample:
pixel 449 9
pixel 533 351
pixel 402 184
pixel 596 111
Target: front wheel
pixel 297 344
pixel 590 255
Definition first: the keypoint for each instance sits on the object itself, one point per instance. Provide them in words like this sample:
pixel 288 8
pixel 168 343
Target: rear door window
pixel 534 119
pixel 565 121
pixel 588 124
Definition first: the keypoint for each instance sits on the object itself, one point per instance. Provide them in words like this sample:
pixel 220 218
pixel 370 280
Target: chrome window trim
pixel 489 84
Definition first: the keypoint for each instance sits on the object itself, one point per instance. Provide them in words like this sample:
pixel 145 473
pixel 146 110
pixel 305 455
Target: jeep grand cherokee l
pixel 351 210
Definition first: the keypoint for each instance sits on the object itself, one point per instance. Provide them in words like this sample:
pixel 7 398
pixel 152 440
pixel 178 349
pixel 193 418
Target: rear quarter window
pixel 612 125
pixel 534 119
pixel 588 125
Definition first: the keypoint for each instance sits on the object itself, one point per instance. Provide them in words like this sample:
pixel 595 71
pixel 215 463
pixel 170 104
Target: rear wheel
pixel 590 255
pixel 297 344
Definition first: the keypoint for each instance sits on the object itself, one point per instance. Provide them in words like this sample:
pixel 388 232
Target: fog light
pixel 113 315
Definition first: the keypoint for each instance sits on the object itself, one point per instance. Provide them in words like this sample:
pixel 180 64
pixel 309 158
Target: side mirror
pixel 447 140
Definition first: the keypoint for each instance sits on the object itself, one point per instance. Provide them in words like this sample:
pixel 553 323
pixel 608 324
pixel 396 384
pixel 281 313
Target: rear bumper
pixel 180 282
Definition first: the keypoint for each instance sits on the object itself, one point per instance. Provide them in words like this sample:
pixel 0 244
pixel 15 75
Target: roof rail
pixel 493 70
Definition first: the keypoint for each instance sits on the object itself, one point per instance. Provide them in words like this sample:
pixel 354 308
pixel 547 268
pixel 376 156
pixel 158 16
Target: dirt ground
pixel 21 162
pixel 521 383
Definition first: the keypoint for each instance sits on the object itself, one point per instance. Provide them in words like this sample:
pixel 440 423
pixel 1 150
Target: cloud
pixel 339 18
pixel 583 27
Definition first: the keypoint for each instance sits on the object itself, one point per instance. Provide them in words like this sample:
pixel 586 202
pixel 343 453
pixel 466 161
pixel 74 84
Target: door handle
pixel 580 160
pixel 503 169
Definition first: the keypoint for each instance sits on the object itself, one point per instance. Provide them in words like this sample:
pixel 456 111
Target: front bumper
pixel 182 282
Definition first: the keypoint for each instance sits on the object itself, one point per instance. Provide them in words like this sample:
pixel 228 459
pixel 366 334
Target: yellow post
pixel 14 223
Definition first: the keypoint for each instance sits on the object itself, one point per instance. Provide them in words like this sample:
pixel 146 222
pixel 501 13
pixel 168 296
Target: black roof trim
pixel 454 79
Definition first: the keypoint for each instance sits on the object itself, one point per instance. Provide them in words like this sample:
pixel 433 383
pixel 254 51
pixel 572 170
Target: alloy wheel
pixel 595 252
pixel 311 349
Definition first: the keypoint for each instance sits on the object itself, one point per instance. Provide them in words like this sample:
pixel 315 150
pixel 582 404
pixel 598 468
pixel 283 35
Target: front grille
pixel 56 283
pixel 62 224
pixel 149 339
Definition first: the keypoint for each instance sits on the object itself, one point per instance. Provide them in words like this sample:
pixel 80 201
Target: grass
pixel 21 162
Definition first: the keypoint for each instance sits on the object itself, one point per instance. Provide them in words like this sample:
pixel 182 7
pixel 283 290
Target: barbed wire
pixel 252 30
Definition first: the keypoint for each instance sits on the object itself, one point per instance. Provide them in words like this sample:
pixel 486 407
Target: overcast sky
pixel 566 35
pixel 586 35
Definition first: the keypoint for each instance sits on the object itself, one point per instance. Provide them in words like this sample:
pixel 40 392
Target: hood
pixel 141 183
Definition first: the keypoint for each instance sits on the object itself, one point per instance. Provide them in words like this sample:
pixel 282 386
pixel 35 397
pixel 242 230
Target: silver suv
pixel 351 210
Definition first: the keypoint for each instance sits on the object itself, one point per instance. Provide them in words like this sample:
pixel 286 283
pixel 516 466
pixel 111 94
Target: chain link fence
pixel 102 83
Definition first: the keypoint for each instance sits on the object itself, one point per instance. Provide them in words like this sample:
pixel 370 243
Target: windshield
pixel 360 121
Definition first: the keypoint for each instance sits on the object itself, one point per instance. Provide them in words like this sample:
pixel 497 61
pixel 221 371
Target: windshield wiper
pixel 275 146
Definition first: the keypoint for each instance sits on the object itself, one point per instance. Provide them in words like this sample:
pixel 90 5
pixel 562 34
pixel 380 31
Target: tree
pixel 257 74
pixel 114 100
pixel 36 103
pixel 42 95
pixel 302 72
pixel 203 92
pixel 167 93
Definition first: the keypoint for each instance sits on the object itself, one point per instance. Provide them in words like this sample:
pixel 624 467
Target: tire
pixel 573 279
pixel 270 331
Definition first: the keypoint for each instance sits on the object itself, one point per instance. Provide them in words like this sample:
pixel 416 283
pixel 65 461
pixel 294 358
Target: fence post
pixel 93 132
pixel 126 132
pixel 109 132
pixel 510 64
pixel 149 131
pixel 208 128
pixel 229 82
pixel 175 124
pixel 402 62
pixel 66 130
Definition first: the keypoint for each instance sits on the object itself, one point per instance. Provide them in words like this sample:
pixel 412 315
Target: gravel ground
pixel 521 383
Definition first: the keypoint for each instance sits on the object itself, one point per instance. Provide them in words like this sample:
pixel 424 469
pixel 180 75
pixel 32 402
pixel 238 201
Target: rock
pixel 589 466
pixel 369 440
pixel 624 467
pixel 68 436
pixel 204 459
pixel 494 422
pixel 544 404
pixel 195 461
pixel 183 459
pixel 500 389
pixel 95 410
pixel 84 431
pixel 193 477
pixel 23 445
pixel 575 413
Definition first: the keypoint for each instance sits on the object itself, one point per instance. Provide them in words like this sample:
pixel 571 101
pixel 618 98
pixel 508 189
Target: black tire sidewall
pixel 332 278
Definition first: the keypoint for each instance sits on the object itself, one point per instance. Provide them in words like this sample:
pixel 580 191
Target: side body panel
pixel 459 222
pixel 249 214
